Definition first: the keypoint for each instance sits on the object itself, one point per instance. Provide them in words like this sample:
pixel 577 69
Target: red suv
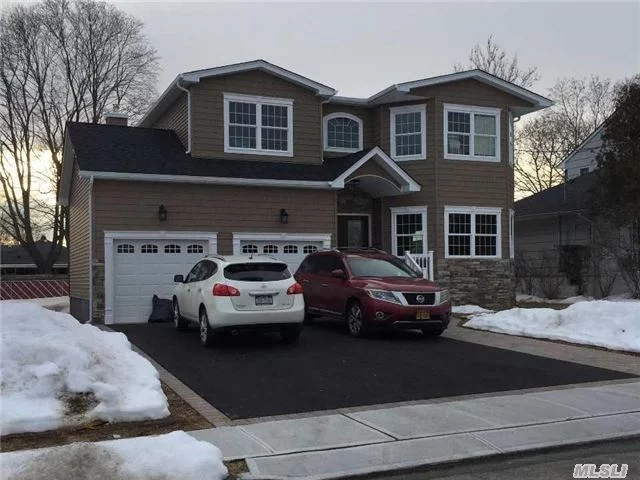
pixel 371 289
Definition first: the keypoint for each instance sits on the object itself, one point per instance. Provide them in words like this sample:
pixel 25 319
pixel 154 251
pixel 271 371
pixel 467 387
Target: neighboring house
pixel 556 235
pixel 583 159
pixel 253 158
pixel 15 260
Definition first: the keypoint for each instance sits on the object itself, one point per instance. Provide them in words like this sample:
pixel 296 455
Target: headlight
pixel 384 295
pixel 443 296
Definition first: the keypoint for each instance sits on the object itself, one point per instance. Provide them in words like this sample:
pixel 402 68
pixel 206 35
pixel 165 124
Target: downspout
pixel 188 92
pixel 91 249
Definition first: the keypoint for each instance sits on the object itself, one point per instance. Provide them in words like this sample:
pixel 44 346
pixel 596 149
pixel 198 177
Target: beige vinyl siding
pixel 207 105
pixel 363 113
pixel 219 208
pixel 176 118
pixel 79 236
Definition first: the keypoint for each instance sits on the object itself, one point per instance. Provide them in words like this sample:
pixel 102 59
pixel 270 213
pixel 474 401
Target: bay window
pixel 472 232
pixel 258 125
pixel 471 133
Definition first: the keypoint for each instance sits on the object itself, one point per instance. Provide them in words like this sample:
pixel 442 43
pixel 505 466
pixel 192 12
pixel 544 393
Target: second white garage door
pixel 288 251
pixel 143 268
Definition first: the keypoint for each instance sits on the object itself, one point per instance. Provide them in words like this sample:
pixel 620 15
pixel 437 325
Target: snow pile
pixel 174 455
pixel 59 304
pixel 614 325
pixel 521 297
pixel 469 309
pixel 48 355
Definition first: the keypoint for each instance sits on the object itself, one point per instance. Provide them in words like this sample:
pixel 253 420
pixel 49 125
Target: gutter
pixel 188 92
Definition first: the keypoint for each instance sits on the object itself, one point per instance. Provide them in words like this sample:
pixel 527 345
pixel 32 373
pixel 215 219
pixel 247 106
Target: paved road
pixel 555 464
pixel 257 376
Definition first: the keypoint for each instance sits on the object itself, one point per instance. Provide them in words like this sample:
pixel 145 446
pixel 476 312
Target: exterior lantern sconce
pixel 162 213
pixel 284 216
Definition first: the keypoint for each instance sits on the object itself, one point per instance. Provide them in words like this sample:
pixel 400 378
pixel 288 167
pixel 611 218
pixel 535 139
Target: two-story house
pixel 253 158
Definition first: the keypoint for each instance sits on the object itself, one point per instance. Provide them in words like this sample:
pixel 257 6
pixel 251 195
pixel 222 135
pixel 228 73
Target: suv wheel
pixel 355 319
pixel 179 322
pixel 206 332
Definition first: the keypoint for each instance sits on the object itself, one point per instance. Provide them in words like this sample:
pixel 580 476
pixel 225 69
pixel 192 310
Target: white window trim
pixel 450 107
pixel 393 111
pixel 473 211
pixel 259 101
pixel 512 139
pixel 325 129
pixel 404 210
pixel 109 266
pixel 238 237
pixel 512 233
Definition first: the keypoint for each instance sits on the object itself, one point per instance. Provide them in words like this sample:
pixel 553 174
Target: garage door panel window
pixel 149 248
pixel 125 248
pixel 195 249
pixel 309 249
pixel 291 249
pixel 472 233
pixel 270 249
pixel 172 248
pixel 249 249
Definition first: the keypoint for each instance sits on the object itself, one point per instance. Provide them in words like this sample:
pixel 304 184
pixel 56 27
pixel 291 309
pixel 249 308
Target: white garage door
pixel 290 252
pixel 143 268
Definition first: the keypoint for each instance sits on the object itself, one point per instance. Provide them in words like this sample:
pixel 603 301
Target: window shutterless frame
pixel 325 130
pixel 471 111
pixel 259 102
pixel 396 111
pixel 395 212
pixel 473 211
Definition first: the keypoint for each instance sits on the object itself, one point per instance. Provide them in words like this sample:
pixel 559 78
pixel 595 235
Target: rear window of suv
pixel 257 272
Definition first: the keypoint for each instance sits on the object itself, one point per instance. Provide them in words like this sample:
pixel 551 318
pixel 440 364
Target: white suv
pixel 232 293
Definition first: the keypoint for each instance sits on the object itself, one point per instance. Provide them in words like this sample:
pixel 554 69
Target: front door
pixel 353 231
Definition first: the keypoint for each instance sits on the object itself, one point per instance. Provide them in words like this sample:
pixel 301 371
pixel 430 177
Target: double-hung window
pixel 408 132
pixel 472 232
pixel 471 133
pixel 258 125
pixel 409 230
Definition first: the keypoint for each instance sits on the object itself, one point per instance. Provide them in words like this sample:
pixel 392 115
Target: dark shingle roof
pixel 16 255
pixel 111 148
pixel 566 197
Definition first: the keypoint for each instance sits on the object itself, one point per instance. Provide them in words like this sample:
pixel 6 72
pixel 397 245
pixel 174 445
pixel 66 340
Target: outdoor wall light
pixel 162 213
pixel 284 216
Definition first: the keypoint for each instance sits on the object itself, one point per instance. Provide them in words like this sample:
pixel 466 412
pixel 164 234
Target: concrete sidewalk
pixel 333 446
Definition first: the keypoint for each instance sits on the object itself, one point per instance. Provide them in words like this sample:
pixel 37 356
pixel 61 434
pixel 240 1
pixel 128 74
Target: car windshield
pixel 257 272
pixel 379 267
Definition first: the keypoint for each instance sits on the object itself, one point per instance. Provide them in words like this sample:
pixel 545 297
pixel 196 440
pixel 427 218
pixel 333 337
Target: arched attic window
pixel 342 132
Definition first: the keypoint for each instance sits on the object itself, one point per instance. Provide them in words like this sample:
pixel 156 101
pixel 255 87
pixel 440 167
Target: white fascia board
pixel 256 182
pixel 159 235
pixel 320 89
pixel 387 164
pixel 274 236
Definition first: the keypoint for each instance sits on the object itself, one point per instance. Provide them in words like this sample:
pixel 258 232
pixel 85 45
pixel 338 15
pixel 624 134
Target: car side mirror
pixel 338 273
pixel 178 278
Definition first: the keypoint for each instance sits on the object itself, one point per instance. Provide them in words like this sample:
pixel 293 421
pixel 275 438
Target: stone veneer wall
pixel 488 283
pixel 98 293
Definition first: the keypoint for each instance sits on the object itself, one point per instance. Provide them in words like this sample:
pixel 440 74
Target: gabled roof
pixel 590 147
pixel 570 196
pixel 136 153
pixel 402 91
pixel 189 78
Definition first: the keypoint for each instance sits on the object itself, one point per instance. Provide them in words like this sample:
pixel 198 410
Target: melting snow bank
pixel 48 355
pixel 174 455
pixel 469 309
pixel 614 325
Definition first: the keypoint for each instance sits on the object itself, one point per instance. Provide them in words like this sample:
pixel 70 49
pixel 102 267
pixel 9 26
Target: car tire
pixel 355 319
pixel 206 332
pixel 431 333
pixel 179 322
pixel 291 335
pixel 308 317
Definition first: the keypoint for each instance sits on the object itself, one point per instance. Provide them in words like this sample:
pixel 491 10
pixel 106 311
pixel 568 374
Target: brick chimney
pixel 115 117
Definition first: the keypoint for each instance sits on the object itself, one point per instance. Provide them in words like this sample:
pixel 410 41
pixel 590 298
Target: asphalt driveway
pixel 257 375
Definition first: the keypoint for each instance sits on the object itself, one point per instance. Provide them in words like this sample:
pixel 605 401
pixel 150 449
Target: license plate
pixel 423 316
pixel 264 300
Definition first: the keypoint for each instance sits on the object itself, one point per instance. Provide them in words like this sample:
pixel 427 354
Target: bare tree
pixel 60 61
pixel 543 142
pixel 493 59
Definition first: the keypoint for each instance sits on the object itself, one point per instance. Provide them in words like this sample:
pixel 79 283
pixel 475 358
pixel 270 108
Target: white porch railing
pixel 421 263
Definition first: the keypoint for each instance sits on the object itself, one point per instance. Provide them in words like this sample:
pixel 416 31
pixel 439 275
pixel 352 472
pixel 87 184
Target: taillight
pixel 294 289
pixel 222 290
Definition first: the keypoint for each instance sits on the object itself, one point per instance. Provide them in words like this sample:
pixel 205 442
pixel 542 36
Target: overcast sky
pixel 360 48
